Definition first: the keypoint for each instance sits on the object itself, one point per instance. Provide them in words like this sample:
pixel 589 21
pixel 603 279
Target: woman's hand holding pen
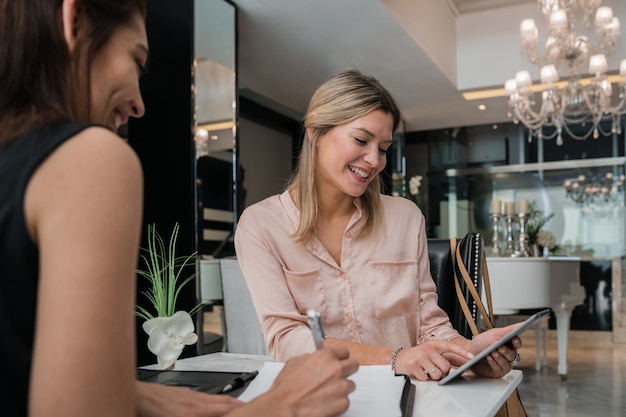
pixel 310 385
pixel 315 384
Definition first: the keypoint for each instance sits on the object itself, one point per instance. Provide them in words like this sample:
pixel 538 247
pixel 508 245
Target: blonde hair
pixel 345 97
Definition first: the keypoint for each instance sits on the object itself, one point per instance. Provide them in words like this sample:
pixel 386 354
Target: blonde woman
pixel 332 242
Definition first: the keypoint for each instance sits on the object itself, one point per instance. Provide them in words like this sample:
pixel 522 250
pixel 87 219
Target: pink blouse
pixel 382 294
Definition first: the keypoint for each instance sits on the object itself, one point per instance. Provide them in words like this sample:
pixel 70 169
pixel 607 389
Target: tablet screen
pixel 495 345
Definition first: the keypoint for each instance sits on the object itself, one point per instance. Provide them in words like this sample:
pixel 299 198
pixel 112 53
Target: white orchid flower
pixel 414 184
pixel 168 336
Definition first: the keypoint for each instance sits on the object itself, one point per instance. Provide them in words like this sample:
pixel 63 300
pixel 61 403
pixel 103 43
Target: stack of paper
pixel 378 391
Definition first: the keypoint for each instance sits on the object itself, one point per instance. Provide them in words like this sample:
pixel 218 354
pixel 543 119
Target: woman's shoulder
pixel 398 203
pixel 99 144
pixel 263 209
pixel 268 204
pixel 93 155
pixel 270 212
pixel 401 212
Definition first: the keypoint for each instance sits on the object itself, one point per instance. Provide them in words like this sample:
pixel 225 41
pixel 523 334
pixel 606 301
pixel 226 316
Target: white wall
pixel 265 154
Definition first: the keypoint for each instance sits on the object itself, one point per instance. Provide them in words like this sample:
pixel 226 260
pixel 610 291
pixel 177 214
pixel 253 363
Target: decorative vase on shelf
pixel 534 250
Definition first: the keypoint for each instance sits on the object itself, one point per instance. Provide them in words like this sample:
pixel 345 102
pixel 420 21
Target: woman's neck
pixel 335 205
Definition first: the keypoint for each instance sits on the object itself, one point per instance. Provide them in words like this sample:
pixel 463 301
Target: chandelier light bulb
pixel 201 139
pixel 202 135
pixel 510 86
pixel 604 16
pixel 549 74
pixel 523 79
pixel 553 50
pixel 597 65
pixel 614 27
pixel 558 20
pixel 528 30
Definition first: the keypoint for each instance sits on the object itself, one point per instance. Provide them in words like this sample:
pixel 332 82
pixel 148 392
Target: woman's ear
pixel 70 16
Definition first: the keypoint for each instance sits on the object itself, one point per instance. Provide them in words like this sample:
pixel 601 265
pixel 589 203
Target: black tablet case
pixel 203 381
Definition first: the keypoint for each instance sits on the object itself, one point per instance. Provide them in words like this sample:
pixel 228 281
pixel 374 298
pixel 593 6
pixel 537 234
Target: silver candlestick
pixel 522 250
pixel 495 239
pixel 509 248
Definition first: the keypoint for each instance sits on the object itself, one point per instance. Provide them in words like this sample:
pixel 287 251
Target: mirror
pixel 215 125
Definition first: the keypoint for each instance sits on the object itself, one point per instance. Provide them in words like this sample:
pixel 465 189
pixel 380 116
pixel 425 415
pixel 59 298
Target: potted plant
pixel 169 330
pixel 536 236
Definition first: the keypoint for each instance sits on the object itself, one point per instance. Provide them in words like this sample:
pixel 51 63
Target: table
pixel 469 396
pixel 538 282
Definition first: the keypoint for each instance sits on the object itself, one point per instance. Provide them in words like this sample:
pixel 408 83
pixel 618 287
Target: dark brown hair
pixel 39 81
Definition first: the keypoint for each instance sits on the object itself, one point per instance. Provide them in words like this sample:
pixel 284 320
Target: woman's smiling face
pixel 115 73
pixel 351 155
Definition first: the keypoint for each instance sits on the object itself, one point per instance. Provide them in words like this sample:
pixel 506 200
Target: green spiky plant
pixel 536 220
pixel 164 270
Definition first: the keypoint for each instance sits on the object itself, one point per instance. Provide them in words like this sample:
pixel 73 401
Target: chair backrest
pixel 243 331
pixel 442 271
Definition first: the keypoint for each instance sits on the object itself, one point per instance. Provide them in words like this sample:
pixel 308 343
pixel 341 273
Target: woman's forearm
pixel 363 353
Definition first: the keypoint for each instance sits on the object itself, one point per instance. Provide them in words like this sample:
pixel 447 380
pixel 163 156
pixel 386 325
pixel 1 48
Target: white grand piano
pixel 532 283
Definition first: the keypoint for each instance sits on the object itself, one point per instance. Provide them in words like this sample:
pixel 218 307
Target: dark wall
pixel 163 140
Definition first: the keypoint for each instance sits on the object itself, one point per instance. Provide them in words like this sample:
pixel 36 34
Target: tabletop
pixel 465 396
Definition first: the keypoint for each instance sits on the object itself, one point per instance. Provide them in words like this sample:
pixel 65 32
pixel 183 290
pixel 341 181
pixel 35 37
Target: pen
pixel 240 381
pixel 315 323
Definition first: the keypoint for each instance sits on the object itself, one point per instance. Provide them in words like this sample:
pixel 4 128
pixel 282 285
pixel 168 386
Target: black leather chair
pixel 441 269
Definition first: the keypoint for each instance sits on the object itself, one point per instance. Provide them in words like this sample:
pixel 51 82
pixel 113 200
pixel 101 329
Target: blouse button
pixel 349 317
pixel 344 276
pixel 348 235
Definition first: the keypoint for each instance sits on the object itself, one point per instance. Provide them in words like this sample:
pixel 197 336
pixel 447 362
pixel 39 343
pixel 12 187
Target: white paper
pixel 378 392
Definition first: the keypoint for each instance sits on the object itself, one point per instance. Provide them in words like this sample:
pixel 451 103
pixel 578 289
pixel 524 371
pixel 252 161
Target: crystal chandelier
pixel 596 188
pixel 577 99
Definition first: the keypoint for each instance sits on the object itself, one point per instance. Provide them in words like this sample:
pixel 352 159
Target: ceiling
pixel 426 52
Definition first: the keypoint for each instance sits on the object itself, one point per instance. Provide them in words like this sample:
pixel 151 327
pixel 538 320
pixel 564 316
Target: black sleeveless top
pixel 19 260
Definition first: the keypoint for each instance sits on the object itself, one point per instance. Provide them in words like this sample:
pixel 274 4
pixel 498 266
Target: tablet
pixel 495 345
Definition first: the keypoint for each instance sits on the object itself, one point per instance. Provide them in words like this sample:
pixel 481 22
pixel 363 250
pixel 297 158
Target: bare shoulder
pixel 91 172
pixel 94 155
pixel 98 144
